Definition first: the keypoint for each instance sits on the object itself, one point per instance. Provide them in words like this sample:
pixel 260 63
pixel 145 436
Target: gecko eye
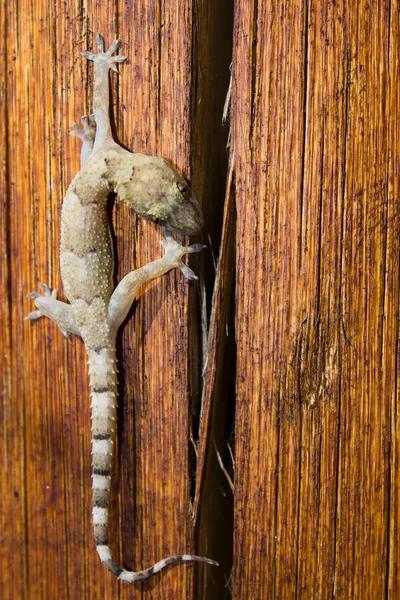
pixel 183 190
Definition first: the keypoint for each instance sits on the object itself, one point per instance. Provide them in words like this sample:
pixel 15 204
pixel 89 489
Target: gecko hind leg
pixel 48 306
pixel 175 251
pixel 125 292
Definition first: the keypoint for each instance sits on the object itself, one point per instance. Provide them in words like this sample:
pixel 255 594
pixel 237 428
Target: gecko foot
pixel 105 58
pixel 47 293
pixel 37 314
pixel 87 131
pixel 174 250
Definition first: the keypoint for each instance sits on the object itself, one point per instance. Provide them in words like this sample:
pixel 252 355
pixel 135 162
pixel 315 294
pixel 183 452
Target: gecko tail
pixel 103 382
pixel 135 576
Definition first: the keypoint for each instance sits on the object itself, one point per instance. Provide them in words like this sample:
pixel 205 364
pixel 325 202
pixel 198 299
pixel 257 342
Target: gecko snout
pixel 159 193
pixel 181 210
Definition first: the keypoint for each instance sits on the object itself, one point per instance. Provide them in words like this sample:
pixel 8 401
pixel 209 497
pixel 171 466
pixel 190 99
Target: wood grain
pixel 314 174
pixel 315 136
pixel 47 548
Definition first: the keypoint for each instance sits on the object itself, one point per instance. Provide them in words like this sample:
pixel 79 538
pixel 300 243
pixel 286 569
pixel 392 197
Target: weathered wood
pixel 47 548
pixel 316 141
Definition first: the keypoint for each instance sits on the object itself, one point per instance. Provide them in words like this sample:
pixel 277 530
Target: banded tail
pixel 103 382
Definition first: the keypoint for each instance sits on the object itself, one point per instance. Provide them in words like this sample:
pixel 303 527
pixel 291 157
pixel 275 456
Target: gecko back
pixel 156 191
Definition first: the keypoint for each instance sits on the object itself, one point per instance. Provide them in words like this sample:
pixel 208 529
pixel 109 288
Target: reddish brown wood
pixel 315 136
pixel 47 548
pixel 315 143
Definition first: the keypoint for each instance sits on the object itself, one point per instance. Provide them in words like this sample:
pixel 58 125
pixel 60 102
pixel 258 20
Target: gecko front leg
pixel 86 133
pixel 104 61
pixel 148 184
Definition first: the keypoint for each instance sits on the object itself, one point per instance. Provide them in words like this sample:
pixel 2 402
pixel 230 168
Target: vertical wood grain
pixel 315 136
pixel 391 332
pixel 47 548
pixel 13 492
pixel 315 171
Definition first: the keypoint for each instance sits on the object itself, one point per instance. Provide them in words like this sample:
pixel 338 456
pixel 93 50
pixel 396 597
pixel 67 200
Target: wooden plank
pixel 318 353
pixel 267 142
pixel 316 146
pixel 49 550
pixel 363 485
pixel 13 520
pixel 391 334
pixel 316 491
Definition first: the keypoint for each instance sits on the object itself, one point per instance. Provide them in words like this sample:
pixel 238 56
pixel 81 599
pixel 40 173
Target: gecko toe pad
pixel 105 57
pixel 47 293
pixel 85 131
pixel 175 250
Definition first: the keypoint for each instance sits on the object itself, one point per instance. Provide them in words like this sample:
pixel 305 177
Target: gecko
pixel 157 192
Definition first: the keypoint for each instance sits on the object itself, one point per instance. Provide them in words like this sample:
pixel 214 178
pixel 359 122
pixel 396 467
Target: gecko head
pixel 159 193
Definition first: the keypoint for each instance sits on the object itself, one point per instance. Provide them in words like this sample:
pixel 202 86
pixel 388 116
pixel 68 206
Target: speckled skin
pixel 156 191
